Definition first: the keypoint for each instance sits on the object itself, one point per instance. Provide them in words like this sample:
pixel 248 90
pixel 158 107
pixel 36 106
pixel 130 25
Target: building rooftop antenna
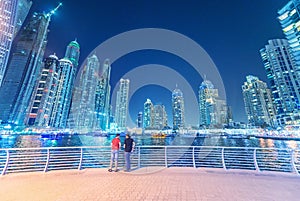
pixel 54 10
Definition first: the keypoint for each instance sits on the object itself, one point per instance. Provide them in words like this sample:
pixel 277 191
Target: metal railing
pixel 57 158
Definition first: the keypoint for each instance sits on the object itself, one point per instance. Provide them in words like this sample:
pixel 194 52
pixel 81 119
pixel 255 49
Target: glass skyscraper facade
pixel 178 109
pixel 148 114
pixel 207 95
pixel 63 95
pixel 73 53
pixel 83 105
pixel 283 75
pixel 140 120
pixel 160 120
pixel 258 102
pixel 43 97
pixel 12 16
pixel 103 96
pixel 121 109
pixel 213 110
pixel 23 69
pixel 23 7
pixel 289 18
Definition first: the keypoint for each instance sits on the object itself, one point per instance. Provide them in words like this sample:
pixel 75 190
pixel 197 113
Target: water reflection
pixel 291 144
pixel 20 141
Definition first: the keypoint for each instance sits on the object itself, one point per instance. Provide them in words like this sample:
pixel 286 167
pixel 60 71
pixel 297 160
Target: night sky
pixel 232 32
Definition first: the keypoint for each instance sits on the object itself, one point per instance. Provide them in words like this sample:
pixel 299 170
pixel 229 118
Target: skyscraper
pixel 289 18
pixel 140 120
pixel 122 104
pixel 83 105
pixel 23 69
pixel 63 95
pixel 160 120
pixel 284 78
pixel 103 96
pixel 207 96
pixel 42 100
pixel 178 109
pixel 72 53
pixel 148 114
pixel 258 102
pixel 12 16
pixel 213 110
pixel 23 7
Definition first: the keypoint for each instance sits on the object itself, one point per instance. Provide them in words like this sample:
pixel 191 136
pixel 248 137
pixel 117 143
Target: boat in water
pixel 159 135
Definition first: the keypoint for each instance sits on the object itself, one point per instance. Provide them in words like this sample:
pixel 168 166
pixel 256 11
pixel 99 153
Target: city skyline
pixel 232 53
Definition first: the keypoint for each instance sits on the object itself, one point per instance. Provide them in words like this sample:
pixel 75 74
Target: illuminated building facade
pixel 258 102
pixel 178 109
pixel 63 95
pixel 213 110
pixel 23 70
pixel 103 97
pixel 160 119
pixel 12 16
pixel 43 97
pixel 148 114
pixel 83 106
pixel 283 75
pixel 121 110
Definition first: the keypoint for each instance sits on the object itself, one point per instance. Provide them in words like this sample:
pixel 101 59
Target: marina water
pixel 67 140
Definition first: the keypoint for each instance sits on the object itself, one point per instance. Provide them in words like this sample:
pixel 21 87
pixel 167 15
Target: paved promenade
pixel 149 185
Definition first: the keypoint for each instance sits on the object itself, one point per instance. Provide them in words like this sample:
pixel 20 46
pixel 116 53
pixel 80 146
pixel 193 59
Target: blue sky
pixel 232 32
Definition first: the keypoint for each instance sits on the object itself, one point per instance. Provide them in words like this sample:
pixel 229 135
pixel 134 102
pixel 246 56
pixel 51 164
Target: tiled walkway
pixel 166 184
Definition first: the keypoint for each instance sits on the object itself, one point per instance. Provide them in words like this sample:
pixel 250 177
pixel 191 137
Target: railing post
pixel 47 162
pixel 194 162
pixel 80 161
pixel 293 162
pixel 255 161
pixel 139 157
pixel 166 159
pixel 223 159
pixel 7 162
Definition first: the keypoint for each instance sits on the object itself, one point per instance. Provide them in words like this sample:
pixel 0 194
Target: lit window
pixel 284 16
pixel 288 28
pixel 293 12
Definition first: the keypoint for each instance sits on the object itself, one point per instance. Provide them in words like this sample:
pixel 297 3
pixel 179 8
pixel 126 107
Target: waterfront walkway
pixel 149 185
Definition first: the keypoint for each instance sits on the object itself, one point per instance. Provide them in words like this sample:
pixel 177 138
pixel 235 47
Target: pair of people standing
pixel 128 149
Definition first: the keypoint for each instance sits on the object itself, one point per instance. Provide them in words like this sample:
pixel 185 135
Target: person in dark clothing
pixel 128 149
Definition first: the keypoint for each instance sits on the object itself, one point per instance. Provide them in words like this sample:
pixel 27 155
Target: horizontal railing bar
pixel 55 158
pixel 148 146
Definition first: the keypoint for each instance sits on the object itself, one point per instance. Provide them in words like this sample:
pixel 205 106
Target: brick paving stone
pixel 166 184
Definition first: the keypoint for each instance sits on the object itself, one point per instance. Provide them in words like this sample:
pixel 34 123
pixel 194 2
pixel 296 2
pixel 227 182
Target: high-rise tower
pixel 83 105
pixel 213 110
pixel 148 114
pixel 289 18
pixel 284 78
pixel 63 95
pixel 258 102
pixel 43 97
pixel 73 52
pixel 12 16
pixel 160 120
pixel 140 120
pixel 103 96
pixel 178 109
pixel 122 104
pixel 23 69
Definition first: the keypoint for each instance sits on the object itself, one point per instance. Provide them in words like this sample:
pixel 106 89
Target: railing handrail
pixel 150 146
pixel 80 157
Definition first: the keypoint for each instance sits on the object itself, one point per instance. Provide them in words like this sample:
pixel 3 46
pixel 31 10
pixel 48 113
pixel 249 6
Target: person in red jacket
pixel 115 147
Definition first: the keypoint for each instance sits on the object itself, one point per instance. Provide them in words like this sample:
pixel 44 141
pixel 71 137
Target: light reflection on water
pixel 22 141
